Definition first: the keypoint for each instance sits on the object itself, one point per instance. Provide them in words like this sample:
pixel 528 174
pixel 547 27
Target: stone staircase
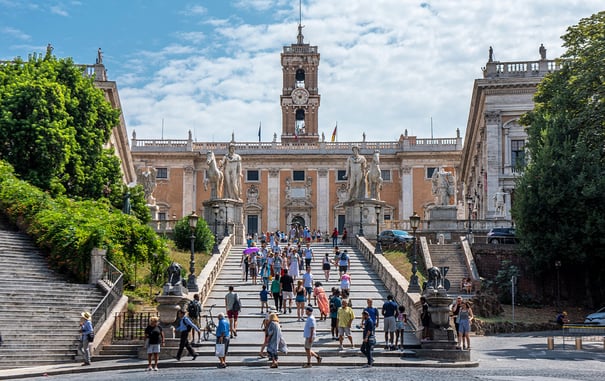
pixel 452 256
pixel 40 311
pixel 245 347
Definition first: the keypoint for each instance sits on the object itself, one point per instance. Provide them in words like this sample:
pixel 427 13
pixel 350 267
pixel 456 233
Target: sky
pixel 212 67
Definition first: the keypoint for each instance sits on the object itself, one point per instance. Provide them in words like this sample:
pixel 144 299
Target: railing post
pixel 96 265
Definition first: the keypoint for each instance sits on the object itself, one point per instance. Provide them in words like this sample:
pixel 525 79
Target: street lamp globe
pixel 193 220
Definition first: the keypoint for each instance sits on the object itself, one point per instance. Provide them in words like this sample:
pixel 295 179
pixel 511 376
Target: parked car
pixel 388 237
pixel 596 318
pixel 502 235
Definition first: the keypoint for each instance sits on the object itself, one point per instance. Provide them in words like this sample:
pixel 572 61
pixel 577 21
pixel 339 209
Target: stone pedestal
pixel 168 307
pixel 443 339
pixel 229 220
pixel 442 220
pixel 366 210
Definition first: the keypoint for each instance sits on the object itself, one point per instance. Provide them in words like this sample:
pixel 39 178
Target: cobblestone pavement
pixel 506 357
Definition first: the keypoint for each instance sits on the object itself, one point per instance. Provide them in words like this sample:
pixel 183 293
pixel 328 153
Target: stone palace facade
pixel 299 179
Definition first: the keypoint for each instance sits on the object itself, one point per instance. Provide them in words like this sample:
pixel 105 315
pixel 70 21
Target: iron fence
pixel 131 326
pixel 114 279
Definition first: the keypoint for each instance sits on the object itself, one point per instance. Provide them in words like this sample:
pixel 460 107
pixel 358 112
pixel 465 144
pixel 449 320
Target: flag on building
pixel 259 126
pixel 334 133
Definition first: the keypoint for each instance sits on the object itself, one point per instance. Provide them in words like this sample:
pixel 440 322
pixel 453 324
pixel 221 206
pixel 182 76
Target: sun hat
pixel 86 315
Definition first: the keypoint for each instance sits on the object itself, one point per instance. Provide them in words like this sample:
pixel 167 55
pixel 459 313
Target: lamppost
pixel 414 286
pixel 469 235
pixel 378 248
pixel 215 209
pixel 360 219
pixel 226 231
pixel 558 267
pixel 192 281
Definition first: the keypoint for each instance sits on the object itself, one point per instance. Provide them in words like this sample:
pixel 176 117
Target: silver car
pixel 596 318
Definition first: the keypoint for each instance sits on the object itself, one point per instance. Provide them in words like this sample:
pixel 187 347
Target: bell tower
pixel 300 95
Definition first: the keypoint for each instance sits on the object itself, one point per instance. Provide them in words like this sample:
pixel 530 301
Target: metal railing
pixel 114 279
pixel 131 326
pixel 577 334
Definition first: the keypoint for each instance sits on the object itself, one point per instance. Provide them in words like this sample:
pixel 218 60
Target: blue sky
pixel 213 66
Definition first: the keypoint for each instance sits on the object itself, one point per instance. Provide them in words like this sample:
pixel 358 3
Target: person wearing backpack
pixel 184 326
pixel 194 310
pixel 335 304
pixel 233 306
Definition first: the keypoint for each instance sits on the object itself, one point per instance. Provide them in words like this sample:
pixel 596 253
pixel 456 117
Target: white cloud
pixel 386 65
pixel 15 33
pixel 58 10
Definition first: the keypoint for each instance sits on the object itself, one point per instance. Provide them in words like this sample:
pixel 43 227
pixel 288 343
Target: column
pixel 493 141
pixel 406 204
pixel 323 200
pixel 189 190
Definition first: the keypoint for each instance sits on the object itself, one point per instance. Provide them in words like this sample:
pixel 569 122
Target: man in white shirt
pixel 309 335
pixel 308 283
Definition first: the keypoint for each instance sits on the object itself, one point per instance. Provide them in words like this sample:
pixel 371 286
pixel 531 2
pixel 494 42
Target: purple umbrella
pixel 251 250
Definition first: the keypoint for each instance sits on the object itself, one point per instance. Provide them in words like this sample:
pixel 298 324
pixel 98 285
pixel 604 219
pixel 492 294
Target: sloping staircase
pixel 452 256
pixel 39 310
pixel 365 283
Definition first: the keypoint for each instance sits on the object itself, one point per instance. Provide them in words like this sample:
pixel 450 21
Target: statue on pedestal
pixel 146 176
pixel 499 202
pixel 232 172
pixel 375 177
pixel 356 173
pixel 442 186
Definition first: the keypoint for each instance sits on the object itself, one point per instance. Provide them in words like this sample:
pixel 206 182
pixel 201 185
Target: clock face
pixel 300 96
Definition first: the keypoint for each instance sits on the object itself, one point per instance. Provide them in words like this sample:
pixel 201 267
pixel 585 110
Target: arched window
pixel 300 122
pixel 300 78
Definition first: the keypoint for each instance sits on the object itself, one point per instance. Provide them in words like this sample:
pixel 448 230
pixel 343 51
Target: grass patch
pixel 143 293
pixel 401 263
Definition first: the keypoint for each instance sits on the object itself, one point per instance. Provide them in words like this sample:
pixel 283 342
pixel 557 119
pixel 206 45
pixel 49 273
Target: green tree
pixel 204 239
pixel 53 126
pixel 560 198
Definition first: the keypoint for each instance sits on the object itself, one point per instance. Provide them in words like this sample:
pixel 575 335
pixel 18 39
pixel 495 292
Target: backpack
pixel 332 306
pixel 193 309
pixel 237 306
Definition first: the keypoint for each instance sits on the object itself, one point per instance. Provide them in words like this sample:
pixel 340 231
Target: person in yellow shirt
pixel 345 320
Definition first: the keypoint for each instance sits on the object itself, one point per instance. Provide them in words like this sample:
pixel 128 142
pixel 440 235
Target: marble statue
pixel 375 177
pixel 356 173
pixel 213 176
pixel 542 51
pixel 146 177
pixel 442 186
pixel 499 201
pixel 232 173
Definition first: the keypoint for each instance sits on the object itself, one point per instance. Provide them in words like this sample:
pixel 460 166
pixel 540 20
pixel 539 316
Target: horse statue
pixel 375 177
pixel 214 176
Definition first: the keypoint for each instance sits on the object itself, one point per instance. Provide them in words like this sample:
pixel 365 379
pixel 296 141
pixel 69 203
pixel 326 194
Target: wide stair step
pixel 40 310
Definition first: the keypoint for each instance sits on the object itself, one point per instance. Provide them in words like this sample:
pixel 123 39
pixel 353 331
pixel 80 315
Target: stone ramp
pixel 40 311
pixel 364 284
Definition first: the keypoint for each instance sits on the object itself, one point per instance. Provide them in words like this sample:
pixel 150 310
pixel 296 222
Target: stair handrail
pixel 113 281
pixel 469 261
